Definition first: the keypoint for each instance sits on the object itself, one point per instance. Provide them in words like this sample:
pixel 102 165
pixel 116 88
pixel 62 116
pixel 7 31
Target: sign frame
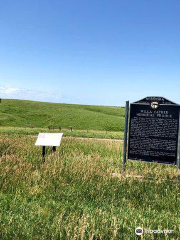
pixel 146 102
pixel 49 139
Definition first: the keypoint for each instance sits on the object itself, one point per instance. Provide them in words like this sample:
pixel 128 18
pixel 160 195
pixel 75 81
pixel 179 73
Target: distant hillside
pixel 21 113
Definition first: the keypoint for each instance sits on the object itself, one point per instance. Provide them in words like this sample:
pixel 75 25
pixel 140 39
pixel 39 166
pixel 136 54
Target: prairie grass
pixel 81 192
pixel 66 132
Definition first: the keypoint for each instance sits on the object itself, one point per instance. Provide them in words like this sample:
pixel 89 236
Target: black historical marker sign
pixel 154 130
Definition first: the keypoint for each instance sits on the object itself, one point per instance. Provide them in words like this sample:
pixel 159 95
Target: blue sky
pixel 90 52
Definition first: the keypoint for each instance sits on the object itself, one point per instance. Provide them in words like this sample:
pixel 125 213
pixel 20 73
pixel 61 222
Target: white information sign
pixel 49 139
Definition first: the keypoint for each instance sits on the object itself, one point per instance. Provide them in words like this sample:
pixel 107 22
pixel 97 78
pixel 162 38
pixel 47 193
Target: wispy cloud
pixel 21 93
pixel 13 92
pixel 8 90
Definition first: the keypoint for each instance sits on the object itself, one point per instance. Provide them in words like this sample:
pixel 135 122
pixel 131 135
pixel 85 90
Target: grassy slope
pixel 19 113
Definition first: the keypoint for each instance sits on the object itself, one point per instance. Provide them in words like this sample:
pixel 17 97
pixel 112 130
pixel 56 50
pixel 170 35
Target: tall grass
pixel 81 192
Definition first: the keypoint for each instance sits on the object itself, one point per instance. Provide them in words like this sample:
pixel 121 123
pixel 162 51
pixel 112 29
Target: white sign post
pixel 48 139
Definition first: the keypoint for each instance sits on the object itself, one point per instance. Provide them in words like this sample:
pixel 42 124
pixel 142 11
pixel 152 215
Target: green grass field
pixel 19 113
pixel 67 133
pixel 81 192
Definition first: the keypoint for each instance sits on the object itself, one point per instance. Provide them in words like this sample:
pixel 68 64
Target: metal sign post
pixel 125 134
pixel 54 149
pixel 43 153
